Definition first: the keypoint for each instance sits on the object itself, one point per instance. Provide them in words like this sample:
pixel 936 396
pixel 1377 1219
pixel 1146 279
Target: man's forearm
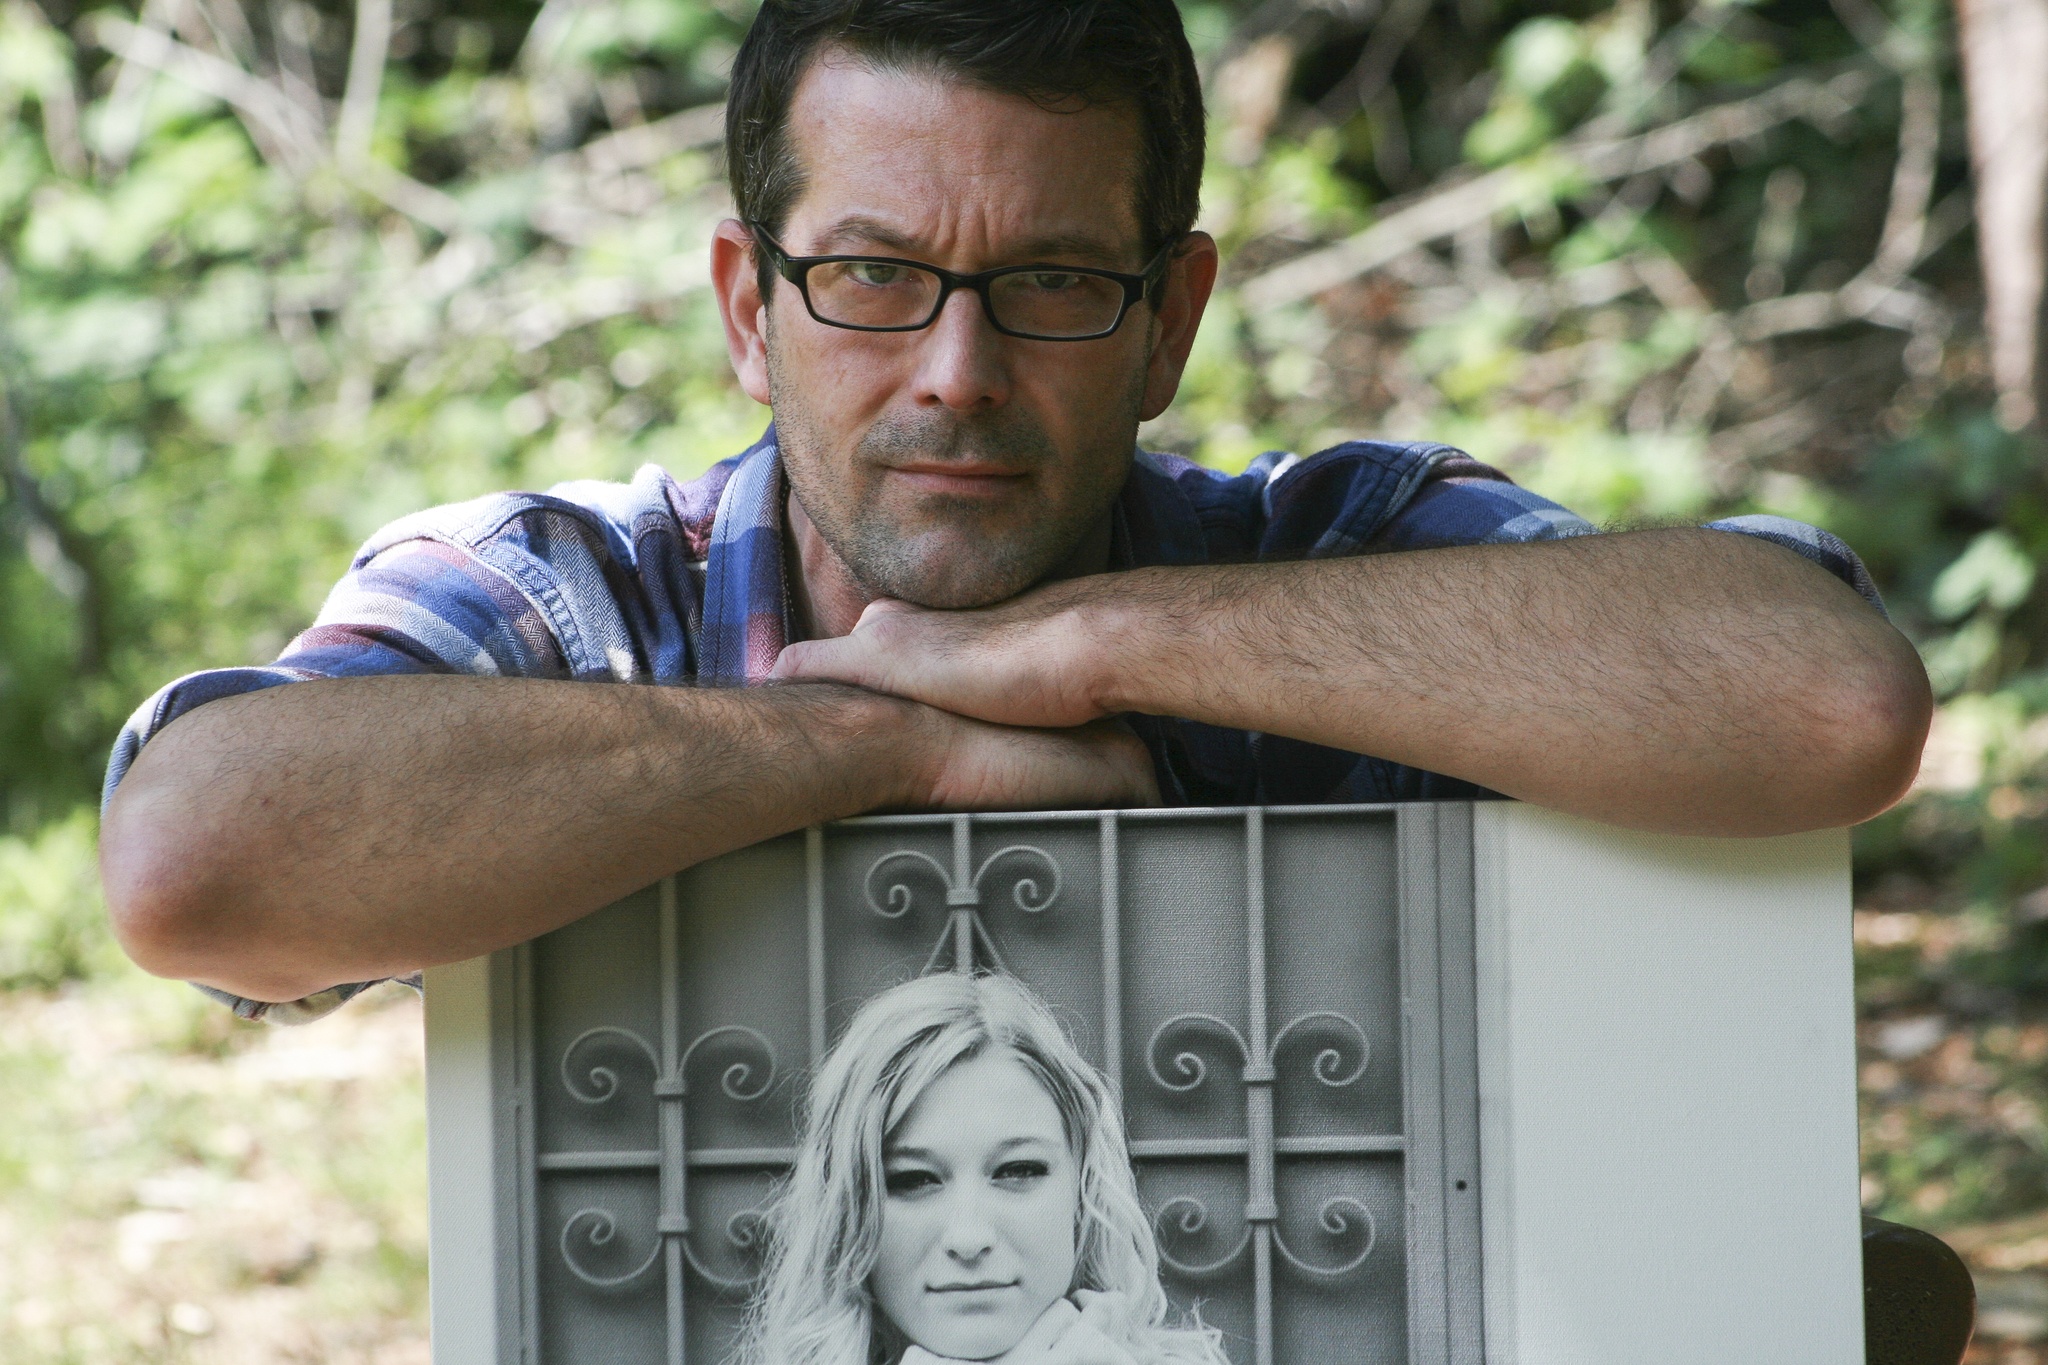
pixel 1679 680
pixel 1685 680
pixel 277 843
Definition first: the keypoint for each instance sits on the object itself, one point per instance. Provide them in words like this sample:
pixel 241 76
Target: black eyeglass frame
pixel 797 269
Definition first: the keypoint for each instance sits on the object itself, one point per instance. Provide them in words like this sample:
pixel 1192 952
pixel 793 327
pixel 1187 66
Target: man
pixel 965 270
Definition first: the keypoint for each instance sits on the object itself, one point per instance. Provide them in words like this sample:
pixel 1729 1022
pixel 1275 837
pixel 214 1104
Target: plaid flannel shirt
pixel 656 581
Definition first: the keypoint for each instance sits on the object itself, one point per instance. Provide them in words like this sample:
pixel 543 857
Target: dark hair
pixel 1055 52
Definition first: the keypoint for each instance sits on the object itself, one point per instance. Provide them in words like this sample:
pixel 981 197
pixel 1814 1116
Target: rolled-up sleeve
pixel 1810 543
pixel 1471 504
pixel 419 605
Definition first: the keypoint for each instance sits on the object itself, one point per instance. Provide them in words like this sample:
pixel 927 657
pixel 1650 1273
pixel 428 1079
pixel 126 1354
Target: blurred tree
pixel 2005 52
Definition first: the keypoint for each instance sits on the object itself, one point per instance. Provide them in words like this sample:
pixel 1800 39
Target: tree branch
pixel 278 122
pixel 371 48
pixel 1443 212
pixel 1375 66
pixel 2005 49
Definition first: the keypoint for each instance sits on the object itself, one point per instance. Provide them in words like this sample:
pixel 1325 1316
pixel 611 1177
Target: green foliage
pixel 1549 80
pixel 53 927
pixel 225 370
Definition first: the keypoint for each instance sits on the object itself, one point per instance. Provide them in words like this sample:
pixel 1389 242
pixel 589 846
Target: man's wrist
pixel 1113 635
pixel 867 750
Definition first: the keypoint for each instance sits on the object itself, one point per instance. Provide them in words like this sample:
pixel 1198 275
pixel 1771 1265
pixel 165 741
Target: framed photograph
pixel 1279 1001
pixel 1436 1084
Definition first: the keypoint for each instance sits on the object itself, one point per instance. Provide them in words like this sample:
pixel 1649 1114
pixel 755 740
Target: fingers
pixel 974 663
pixel 1125 753
pixel 868 657
pixel 845 658
pixel 885 606
pixel 816 661
pixel 790 663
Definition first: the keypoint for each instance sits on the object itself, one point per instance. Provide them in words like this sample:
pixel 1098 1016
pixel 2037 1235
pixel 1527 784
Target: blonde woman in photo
pixel 963 1191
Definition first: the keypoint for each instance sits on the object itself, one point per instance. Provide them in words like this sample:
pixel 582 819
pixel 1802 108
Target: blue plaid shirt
pixel 656 581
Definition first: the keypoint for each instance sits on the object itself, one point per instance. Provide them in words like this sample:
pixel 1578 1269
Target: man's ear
pixel 1182 297
pixel 740 305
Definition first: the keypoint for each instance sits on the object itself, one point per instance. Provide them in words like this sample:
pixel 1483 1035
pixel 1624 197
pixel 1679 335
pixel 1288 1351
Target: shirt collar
pixel 745 594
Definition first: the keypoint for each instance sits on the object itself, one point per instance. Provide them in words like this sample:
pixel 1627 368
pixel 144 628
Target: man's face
pixel 956 466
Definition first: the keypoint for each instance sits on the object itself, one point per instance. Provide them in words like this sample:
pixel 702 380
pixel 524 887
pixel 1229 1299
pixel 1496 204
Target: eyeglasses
pixel 1034 302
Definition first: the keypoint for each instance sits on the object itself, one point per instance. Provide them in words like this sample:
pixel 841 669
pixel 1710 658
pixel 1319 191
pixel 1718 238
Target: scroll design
pixel 747 1231
pixel 743 1079
pixel 1175 1065
pixel 907 879
pixel 604 1081
pixel 1327 1069
pixel 1339 1217
pixel 1189 1217
pixel 600 1226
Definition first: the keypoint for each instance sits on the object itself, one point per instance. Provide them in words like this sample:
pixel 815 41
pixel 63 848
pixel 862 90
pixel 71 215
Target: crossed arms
pixel 276 843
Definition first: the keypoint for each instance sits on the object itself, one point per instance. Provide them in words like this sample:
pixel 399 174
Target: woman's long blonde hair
pixel 815 1307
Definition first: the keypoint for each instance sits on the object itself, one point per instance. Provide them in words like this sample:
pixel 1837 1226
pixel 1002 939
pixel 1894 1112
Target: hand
pixel 1028 661
pixel 964 764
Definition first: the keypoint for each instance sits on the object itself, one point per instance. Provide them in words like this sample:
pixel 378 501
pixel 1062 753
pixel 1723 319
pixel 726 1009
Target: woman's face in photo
pixel 978 1227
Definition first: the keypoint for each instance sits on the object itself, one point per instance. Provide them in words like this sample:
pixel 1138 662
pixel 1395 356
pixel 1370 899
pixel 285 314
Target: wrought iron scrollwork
pixel 907 879
pixel 1024 865
pixel 902 875
pixel 604 1081
pixel 1340 1218
pixel 593 1082
pixel 733 1080
pixel 1335 1219
pixel 601 1225
pixel 1325 1067
pixel 1194 1070
pixel 1176 1065
pixel 1187 1217
pixel 913 871
pixel 747 1231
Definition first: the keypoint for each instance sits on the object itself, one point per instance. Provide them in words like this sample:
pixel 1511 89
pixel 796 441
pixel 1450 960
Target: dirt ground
pixel 176 1186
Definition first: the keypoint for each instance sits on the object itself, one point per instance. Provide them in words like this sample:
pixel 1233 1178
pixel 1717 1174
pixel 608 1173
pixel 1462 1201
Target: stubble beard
pixel 960 552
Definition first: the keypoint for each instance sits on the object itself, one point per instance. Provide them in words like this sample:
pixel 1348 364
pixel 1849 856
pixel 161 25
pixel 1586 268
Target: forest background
pixel 273 272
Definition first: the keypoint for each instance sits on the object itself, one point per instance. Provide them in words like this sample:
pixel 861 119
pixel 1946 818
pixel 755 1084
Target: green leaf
pixel 1994 571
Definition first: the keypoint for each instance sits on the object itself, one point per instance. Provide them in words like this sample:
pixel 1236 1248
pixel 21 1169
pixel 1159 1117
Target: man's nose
pixel 963 361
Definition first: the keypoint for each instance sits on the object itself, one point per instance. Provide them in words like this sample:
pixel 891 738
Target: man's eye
pixel 874 273
pixel 910 1182
pixel 1052 281
pixel 1019 1172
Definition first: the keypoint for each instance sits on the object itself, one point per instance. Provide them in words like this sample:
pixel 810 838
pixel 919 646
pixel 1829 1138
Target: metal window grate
pixel 1283 996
